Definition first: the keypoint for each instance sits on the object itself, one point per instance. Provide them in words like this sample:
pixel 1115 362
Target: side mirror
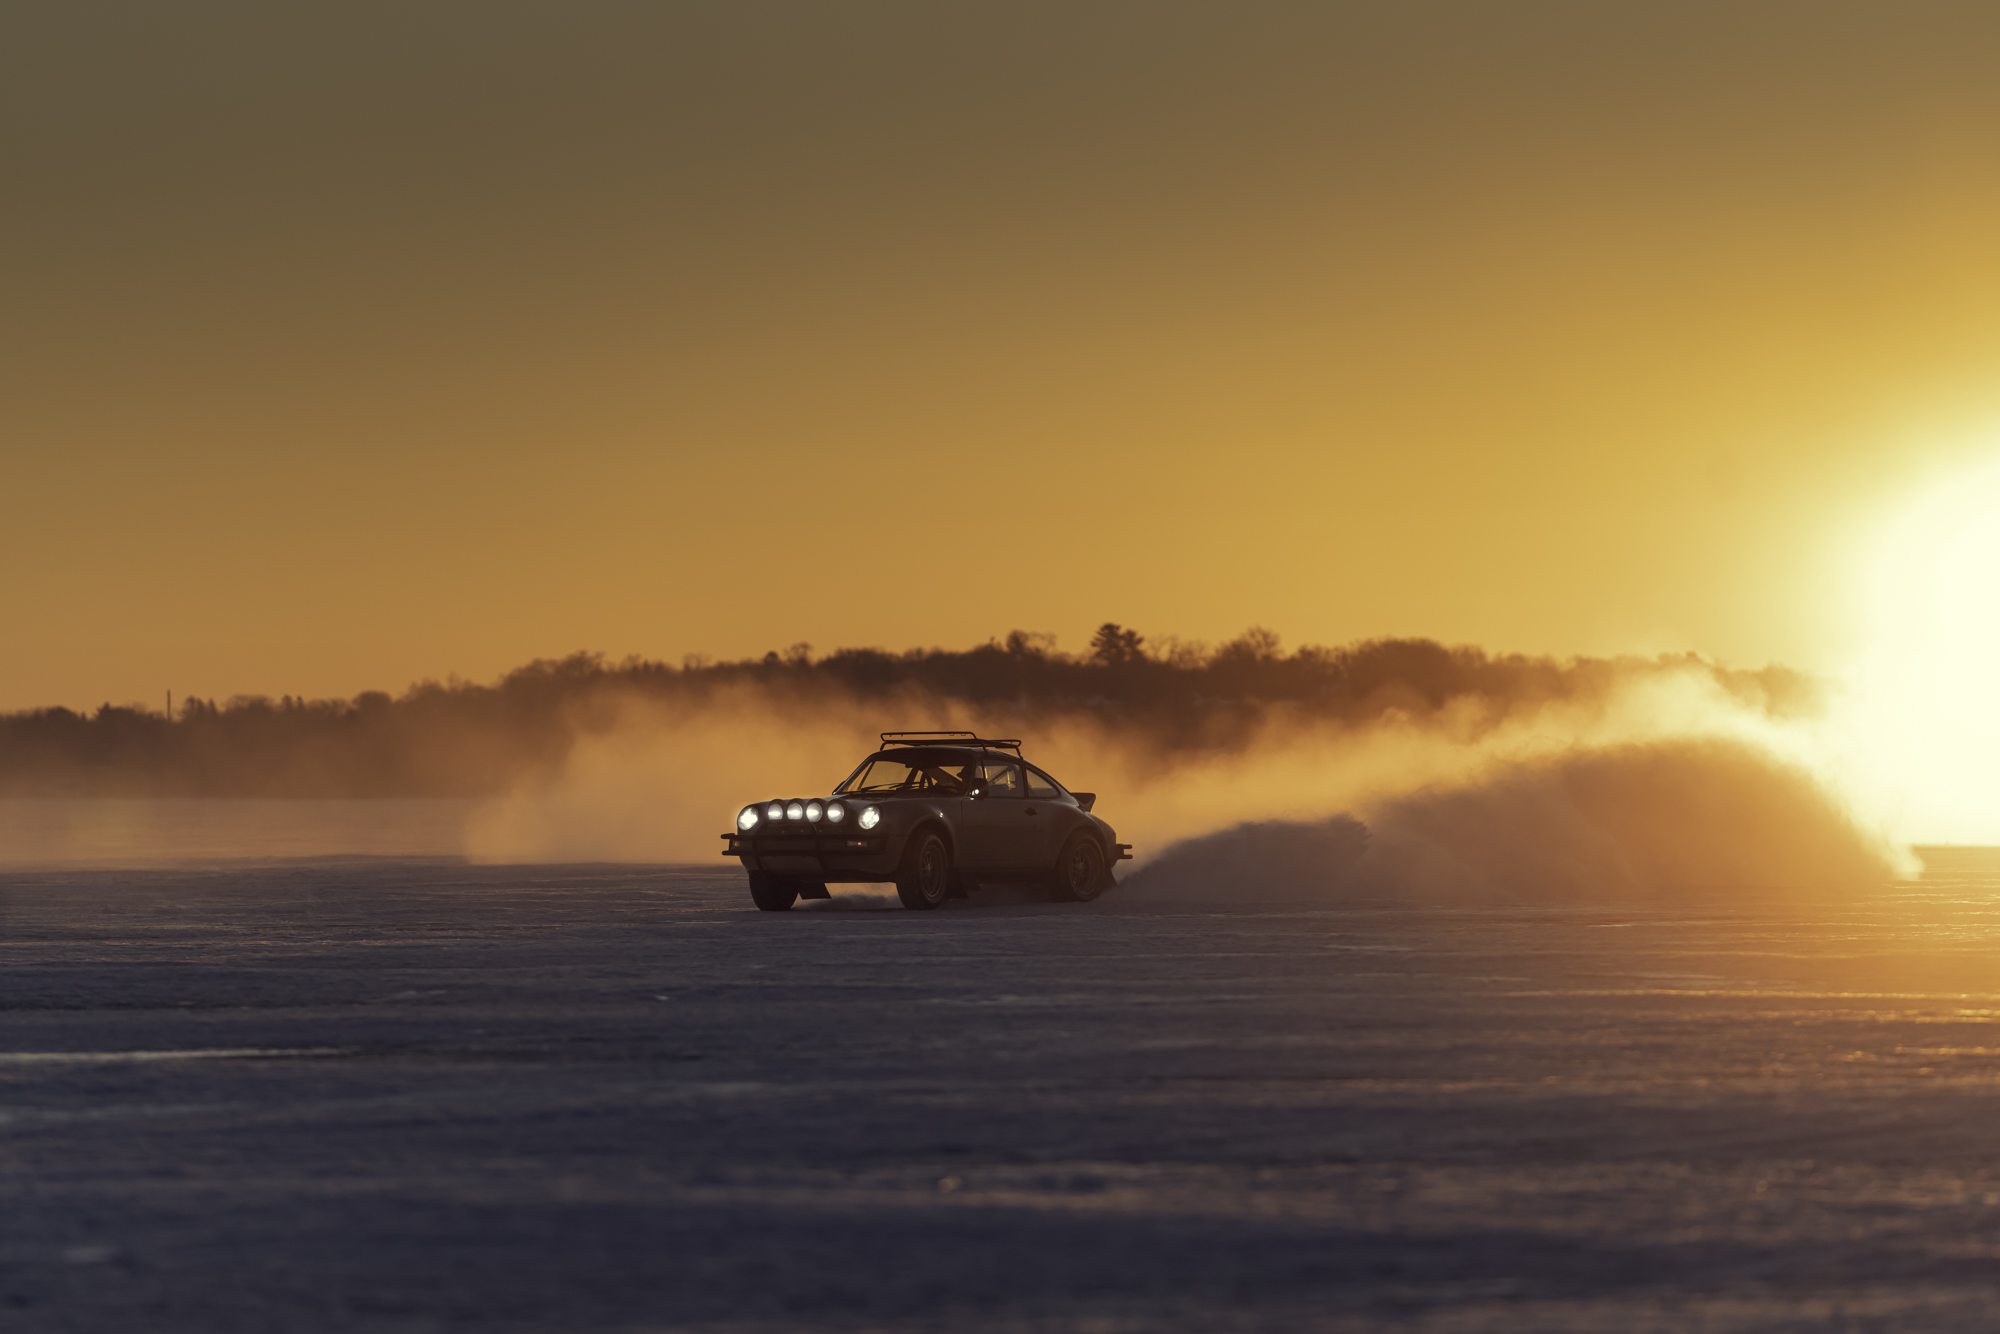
pixel 975 790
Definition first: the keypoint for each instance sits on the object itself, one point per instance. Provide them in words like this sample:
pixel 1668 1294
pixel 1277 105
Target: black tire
pixel 925 879
pixel 1080 874
pixel 773 893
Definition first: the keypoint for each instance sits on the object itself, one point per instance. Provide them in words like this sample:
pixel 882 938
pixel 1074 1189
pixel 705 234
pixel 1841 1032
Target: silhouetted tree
pixel 1114 646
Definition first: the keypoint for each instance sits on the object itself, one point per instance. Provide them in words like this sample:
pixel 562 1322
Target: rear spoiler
pixel 1085 799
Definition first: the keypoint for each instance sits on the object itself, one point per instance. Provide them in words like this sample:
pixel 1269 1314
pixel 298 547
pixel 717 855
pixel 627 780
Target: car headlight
pixel 748 819
pixel 775 811
pixel 814 810
pixel 835 812
pixel 871 817
pixel 796 811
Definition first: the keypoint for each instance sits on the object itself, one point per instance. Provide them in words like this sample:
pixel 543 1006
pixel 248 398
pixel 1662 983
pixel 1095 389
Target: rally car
pixel 936 813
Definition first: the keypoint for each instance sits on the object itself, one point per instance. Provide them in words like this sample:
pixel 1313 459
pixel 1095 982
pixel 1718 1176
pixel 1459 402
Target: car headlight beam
pixel 747 818
pixel 871 817
pixel 835 812
pixel 796 811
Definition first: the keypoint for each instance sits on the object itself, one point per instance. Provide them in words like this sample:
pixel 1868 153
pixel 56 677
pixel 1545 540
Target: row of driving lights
pixel 806 810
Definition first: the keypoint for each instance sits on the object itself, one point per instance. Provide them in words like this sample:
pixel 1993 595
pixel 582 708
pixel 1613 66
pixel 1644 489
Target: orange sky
pixel 346 345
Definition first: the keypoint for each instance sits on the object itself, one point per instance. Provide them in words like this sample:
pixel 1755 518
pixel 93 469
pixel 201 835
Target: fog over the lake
pixel 1635 780
pixel 1443 772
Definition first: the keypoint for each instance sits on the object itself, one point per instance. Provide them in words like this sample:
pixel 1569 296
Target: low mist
pixel 1664 780
pixel 1395 769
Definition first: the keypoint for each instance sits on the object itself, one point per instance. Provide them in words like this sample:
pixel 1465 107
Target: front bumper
pixel 837 857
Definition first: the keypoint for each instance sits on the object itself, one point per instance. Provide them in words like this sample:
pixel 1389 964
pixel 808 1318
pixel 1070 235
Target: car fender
pixel 1072 820
pixel 932 820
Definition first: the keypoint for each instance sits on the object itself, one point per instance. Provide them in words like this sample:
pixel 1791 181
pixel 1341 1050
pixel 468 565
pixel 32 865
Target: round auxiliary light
pixel 835 812
pixel 871 817
pixel 748 819
pixel 775 811
pixel 814 810
pixel 796 811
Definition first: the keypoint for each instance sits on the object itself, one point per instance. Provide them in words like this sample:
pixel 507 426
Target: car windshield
pixel 909 775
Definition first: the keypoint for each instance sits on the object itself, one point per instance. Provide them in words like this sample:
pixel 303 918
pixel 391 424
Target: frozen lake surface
pixel 407 1095
pixel 143 831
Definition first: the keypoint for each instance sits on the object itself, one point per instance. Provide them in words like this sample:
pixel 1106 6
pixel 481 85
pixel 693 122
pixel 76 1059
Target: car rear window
pixel 1041 787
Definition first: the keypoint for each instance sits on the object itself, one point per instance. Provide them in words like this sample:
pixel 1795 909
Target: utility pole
pixel 170 706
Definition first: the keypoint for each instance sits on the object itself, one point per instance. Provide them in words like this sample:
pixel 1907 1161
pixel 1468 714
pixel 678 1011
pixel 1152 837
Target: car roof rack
pixel 968 740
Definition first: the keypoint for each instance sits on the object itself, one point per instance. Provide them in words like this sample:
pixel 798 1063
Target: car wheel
pixel 925 879
pixel 1080 875
pixel 773 893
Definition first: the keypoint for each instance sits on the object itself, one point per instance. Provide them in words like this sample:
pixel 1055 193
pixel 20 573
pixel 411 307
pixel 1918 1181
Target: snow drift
pixel 1654 823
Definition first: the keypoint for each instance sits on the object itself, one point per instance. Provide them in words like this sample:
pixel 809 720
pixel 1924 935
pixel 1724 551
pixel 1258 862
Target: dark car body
pixel 996 817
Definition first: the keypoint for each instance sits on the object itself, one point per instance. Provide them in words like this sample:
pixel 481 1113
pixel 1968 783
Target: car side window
pixel 1000 780
pixel 1041 787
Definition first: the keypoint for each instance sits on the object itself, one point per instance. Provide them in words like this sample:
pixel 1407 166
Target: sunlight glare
pixel 1925 703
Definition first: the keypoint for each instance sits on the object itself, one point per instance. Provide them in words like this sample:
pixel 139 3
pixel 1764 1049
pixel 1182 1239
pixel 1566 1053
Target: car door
pixel 996 828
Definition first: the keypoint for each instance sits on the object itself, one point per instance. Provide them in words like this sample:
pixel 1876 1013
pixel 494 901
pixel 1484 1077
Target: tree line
pixel 469 739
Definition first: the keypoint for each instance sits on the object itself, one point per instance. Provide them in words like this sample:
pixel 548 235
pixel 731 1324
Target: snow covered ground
pixel 415 1095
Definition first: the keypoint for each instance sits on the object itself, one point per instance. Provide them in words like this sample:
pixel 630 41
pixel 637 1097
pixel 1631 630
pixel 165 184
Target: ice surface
pixel 429 1096
pixel 149 831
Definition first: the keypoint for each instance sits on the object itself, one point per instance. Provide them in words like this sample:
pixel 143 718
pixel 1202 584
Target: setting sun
pixel 1924 703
